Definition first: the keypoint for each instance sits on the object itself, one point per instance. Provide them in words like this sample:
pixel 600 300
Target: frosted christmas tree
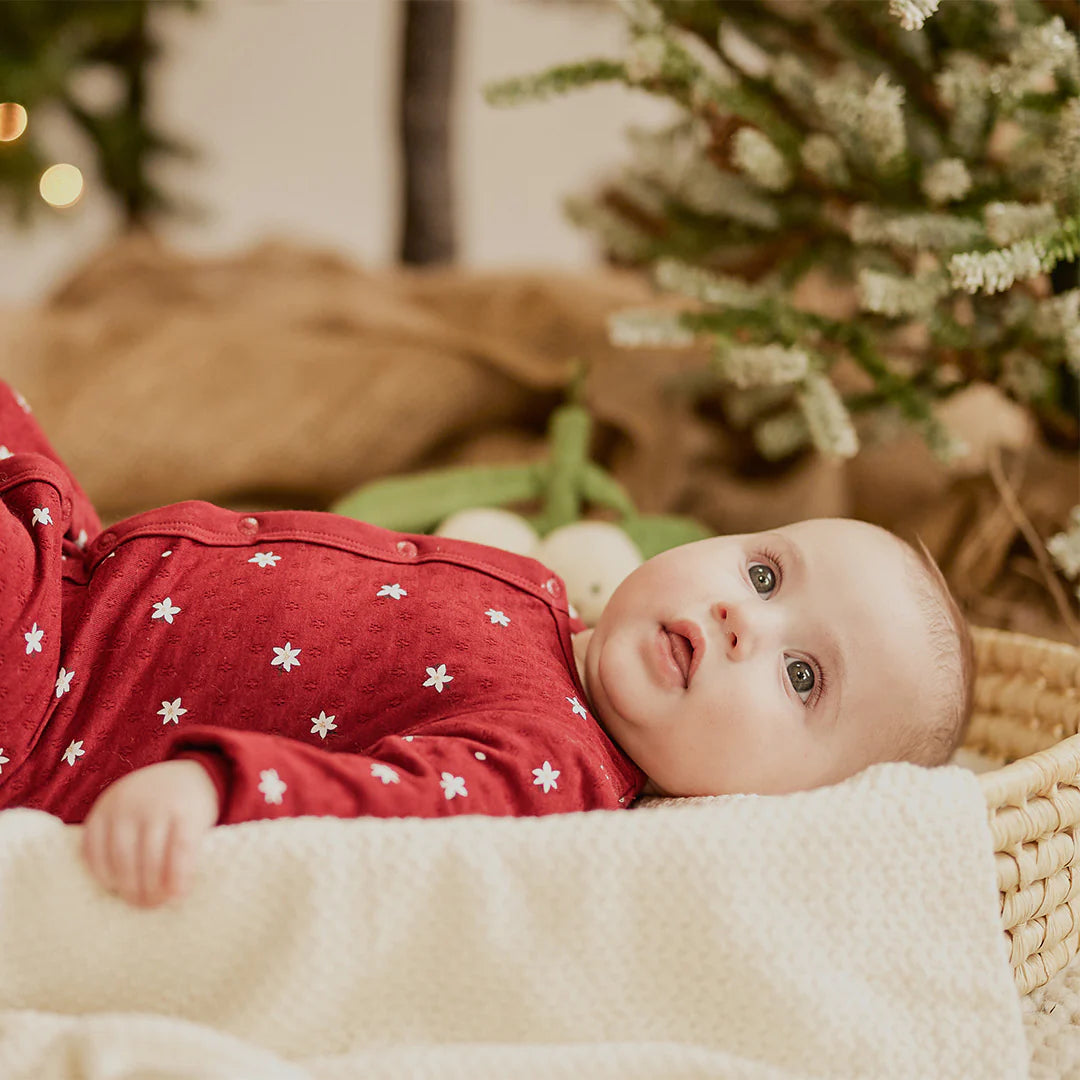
pixel 928 159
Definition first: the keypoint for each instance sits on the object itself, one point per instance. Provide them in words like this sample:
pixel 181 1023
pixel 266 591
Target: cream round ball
pixel 592 558
pixel 492 526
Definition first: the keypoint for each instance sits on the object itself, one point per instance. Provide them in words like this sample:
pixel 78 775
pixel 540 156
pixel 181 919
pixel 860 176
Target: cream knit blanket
pixel 847 932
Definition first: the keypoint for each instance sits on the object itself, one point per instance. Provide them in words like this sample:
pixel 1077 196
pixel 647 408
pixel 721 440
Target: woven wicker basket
pixel 1027 713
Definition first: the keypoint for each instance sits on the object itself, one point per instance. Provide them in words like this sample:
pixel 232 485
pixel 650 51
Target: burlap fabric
pixel 285 376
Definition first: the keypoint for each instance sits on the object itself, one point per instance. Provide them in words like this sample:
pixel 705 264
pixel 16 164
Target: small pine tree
pixel 869 140
pixel 43 46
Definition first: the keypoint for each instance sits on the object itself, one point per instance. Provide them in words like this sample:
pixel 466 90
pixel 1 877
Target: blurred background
pixel 293 108
pixel 680 267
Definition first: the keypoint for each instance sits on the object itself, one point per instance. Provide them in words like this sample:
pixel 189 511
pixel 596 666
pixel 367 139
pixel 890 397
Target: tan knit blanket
pixel 850 932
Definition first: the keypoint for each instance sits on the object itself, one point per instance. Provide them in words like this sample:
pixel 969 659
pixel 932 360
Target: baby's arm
pixel 484 763
pixel 142 834
pixel 22 443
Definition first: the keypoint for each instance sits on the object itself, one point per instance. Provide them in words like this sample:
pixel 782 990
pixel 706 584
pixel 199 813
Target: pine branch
pixel 557 80
pixel 858 26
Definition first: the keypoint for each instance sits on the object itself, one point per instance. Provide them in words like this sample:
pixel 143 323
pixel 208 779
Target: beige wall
pixel 292 104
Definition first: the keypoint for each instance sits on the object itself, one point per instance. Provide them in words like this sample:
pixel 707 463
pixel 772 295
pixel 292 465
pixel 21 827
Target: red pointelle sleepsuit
pixel 312 663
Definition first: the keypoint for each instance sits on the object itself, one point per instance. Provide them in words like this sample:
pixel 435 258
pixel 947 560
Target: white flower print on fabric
pixel 80 541
pixel 23 403
pixel 438 677
pixel 480 755
pixel 33 639
pixel 271 785
pixel 384 773
pixel 3 760
pixel 42 515
pixel 171 711
pixel 578 707
pixel 407 738
pixel 546 776
pixel 396 591
pixel 73 751
pixel 497 617
pixel 323 724
pixel 286 657
pixel 452 785
pixel 5 453
pixel 166 554
pixel 265 558
pixel 63 681
pixel 164 609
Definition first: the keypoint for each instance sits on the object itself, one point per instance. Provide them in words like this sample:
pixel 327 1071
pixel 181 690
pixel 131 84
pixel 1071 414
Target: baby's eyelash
pixel 820 680
pixel 820 686
pixel 775 559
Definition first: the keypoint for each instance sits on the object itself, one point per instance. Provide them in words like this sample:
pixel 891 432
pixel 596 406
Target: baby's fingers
pixel 121 860
pixel 95 839
pixel 180 852
pixel 153 839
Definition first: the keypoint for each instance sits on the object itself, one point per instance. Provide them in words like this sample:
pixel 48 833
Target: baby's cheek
pixel 744 744
pixel 685 755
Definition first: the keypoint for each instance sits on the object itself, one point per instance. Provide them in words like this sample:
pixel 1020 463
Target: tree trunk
pixel 1061 427
pixel 427 71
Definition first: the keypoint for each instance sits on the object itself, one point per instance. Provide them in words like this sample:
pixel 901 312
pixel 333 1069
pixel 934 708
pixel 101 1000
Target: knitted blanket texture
pixel 849 932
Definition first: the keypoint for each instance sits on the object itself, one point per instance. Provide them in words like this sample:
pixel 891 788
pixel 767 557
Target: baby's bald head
pixel 934 739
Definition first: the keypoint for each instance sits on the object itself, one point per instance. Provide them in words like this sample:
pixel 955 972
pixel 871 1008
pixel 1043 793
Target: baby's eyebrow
pixel 838 666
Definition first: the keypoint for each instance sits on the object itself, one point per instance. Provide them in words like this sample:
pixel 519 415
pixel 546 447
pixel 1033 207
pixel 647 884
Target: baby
pixel 192 666
pixel 780 661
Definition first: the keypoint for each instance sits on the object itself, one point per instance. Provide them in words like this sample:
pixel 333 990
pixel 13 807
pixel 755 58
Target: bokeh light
pixel 12 121
pixel 61 185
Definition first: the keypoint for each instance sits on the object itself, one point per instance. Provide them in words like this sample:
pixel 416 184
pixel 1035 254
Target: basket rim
pixel 1034 774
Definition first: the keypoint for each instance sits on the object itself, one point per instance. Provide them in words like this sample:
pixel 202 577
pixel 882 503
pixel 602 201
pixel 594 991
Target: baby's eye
pixel 802 677
pixel 762 577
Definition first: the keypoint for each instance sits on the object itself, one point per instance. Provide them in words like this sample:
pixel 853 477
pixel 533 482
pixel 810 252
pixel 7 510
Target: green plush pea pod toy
pixel 420 502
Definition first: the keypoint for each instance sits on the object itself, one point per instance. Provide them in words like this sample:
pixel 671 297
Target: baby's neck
pixel 580 643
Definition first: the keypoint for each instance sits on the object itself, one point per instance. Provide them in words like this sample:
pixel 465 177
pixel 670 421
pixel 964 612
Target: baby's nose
pixel 725 624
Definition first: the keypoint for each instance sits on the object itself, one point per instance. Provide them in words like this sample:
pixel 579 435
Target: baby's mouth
pixel 683 653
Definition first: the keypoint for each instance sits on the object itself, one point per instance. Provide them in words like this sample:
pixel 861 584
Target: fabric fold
pixel 850 932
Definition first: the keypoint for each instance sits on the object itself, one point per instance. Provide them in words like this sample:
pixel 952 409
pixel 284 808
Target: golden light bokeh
pixel 12 121
pixel 61 185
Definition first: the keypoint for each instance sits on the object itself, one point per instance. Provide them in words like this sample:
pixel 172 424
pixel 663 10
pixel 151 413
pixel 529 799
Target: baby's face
pixel 804 674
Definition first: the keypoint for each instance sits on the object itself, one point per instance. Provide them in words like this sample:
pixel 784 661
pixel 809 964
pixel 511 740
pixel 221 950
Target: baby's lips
pixel 684 655
pixel 695 642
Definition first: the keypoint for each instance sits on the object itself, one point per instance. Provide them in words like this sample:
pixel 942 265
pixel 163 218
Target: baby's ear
pixel 593 558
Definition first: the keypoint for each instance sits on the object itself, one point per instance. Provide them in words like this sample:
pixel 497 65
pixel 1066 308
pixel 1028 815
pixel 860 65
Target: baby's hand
pixel 142 835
